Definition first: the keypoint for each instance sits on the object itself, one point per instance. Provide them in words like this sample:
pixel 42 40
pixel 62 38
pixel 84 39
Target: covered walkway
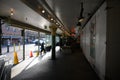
pixel 93 24
pixel 67 66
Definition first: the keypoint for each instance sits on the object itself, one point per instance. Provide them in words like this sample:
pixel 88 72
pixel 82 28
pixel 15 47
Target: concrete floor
pixel 67 66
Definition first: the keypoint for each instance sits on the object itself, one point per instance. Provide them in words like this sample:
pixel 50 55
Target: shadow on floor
pixel 72 66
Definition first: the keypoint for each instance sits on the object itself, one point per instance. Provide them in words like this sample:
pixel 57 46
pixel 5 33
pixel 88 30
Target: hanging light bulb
pixel 81 18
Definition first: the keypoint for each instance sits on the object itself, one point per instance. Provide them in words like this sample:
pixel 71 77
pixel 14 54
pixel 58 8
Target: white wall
pixel 98 63
pixel 101 40
pixel 86 41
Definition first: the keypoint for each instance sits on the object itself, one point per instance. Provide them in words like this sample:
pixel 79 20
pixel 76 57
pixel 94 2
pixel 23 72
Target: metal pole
pixel 23 34
pixel 8 45
pixel 53 29
pixel 14 47
pixel 39 42
pixel 0 38
pixel 53 47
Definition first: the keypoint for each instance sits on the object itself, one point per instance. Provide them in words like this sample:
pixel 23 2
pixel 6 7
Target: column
pixel 38 43
pixel 0 38
pixel 53 29
pixel 60 42
pixel 23 35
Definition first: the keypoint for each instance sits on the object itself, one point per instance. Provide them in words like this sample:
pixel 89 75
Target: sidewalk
pixel 72 66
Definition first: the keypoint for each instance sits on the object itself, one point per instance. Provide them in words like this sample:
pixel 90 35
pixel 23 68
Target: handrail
pixel 2 67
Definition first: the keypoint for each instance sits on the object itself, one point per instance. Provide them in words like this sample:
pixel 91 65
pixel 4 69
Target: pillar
pixel 0 38
pixel 53 29
pixel 23 35
pixel 38 43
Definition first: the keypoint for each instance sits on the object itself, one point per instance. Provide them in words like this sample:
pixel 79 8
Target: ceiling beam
pixel 45 4
pixel 38 7
pixel 22 25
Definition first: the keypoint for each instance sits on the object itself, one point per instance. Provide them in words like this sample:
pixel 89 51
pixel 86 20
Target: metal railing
pixel 5 69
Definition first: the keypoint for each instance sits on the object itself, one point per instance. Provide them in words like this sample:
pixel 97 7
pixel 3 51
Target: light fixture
pixel 11 11
pixel 51 19
pixel 43 11
pixel 81 18
pixel 57 23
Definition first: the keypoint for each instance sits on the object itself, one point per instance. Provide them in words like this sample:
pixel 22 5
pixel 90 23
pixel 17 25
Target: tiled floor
pixel 71 66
